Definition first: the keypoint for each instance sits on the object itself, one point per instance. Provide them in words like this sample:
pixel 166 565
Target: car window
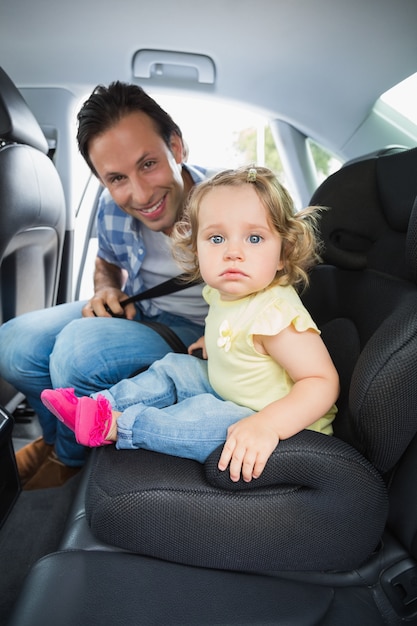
pixel 403 98
pixel 325 162
pixel 213 131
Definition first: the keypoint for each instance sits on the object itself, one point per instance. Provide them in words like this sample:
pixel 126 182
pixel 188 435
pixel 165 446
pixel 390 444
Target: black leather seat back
pixel 32 210
pixel 32 215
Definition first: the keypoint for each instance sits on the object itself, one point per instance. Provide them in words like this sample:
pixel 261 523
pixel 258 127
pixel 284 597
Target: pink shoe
pixel 93 421
pixel 62 403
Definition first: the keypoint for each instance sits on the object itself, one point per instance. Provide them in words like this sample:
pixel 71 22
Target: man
pixel 137 151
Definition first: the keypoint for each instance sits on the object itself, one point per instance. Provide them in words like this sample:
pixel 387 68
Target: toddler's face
pixel 239 252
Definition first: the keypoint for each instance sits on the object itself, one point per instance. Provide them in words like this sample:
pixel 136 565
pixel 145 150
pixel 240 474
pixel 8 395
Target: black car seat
pixel 364 298
pixel 328 534
pixel 32 213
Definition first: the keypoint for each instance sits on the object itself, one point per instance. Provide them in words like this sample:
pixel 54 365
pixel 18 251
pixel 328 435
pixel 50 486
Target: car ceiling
pixel 318 64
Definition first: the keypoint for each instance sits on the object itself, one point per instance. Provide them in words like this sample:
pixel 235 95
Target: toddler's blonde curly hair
pixel 301 245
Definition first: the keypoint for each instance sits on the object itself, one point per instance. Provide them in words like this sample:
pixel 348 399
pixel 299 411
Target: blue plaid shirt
pixel 120 240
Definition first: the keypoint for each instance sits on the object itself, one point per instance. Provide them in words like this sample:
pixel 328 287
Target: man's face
pixel 142 174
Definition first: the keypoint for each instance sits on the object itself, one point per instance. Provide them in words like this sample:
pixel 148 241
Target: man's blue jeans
pixel 57 347
pixel 172 408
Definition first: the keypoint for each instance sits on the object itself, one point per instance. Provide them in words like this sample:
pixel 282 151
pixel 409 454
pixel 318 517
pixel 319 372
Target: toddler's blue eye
pixel 217 239
pixel 255 238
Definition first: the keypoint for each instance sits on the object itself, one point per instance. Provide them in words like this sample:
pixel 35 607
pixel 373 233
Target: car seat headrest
pixel 369 205
pixel 17 122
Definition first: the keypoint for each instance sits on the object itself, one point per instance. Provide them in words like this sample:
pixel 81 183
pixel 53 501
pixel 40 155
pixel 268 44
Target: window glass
pixel 325 162
pixel 219 135
pixel 403 98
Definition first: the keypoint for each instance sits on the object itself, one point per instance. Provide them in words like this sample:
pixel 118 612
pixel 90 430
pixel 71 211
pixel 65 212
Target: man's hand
pixel 109 297
pixel 108 294
pixel 249 444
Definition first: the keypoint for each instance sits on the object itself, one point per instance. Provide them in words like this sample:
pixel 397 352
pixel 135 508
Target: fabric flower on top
pixel 225 336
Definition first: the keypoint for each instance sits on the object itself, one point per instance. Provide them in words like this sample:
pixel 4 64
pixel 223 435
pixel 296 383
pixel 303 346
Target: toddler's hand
pixel 200 344
pixel 248 446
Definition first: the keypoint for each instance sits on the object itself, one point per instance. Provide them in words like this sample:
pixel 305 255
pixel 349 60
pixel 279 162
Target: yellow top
pixel 237 371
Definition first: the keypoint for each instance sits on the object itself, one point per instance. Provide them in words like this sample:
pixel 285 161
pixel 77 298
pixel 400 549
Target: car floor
pixel 35 524
pixel 26 426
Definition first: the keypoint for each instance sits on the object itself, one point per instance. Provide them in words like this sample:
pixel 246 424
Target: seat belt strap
pixel 171 285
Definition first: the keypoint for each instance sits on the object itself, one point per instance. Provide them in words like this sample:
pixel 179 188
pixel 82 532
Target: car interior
pixel 327 535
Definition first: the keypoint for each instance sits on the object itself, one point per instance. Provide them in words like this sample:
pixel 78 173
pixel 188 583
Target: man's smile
pixel 153 210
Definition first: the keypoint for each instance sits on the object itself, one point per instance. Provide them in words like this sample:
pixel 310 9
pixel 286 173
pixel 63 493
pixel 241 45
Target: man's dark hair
pixel 108 105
